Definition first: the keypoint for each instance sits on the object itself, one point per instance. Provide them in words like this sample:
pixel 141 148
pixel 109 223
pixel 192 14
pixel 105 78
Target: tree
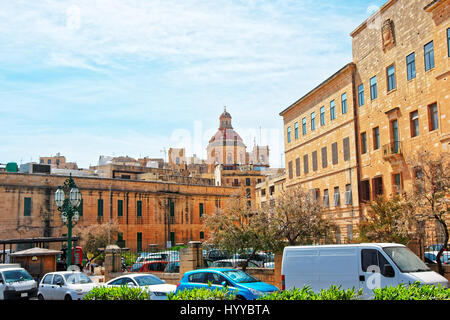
pixel 388 220
pixel 97 236
pixel 298 218
pixel 431 191
pixel 238 228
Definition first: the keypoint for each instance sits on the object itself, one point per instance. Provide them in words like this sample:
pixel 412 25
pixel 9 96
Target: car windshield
pixel 16 275
pixel 148 280
pixel 77 278
pixel 406 260
pixel 240 276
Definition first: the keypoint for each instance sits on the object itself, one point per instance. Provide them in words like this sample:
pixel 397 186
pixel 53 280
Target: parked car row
pixel 431 257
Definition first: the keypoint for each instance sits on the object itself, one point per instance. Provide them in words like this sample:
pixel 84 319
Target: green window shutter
pixel 202 235
pixel 100 207
pixel 139 208
pixel 201 209
pixel 120 208
pixel 139 241
pixel 27 207
pixel 172 209
pixel 172 238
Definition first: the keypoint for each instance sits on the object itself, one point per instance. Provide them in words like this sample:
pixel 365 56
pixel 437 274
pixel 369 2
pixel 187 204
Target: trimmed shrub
pixel 415 291
pixel 203 294
pixel 306 293
pixel 117 293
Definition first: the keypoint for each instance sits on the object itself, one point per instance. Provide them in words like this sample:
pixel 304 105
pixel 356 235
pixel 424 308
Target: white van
pixel 361 266
pixel 16 283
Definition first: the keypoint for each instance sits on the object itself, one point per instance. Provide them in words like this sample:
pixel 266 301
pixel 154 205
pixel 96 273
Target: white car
pixel 65 285
pixel 16 283
pixel 157 288
pixel 233 263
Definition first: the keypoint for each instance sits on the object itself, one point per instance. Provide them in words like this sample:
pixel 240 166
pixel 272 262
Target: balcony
pixel 393 150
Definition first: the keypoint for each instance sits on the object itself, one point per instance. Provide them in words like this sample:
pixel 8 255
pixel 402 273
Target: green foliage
pixel 117 293
pixel 415 291
pixel 203 294
pixel 306 293
pixel 129 257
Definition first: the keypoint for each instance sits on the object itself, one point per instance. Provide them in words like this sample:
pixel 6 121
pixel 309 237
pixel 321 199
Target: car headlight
pixel 256 292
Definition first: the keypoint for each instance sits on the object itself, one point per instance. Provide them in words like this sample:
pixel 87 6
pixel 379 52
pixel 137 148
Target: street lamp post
pixel 68 199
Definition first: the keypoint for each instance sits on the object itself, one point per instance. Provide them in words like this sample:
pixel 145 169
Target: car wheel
pixel 67 297
pixel 40 297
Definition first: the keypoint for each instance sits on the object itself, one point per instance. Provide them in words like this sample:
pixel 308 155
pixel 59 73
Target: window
pixel 376 138
pixel 429 56
pixel 365 190
pixel 391 78
pixel 172 238
pixel 332 110
pixel 324 157
pixel 289 134
pixel 290 170
pixel 139 208
pixel 344 103
pixel 348 194
pixel 314 160
pixel 100 207
pixel 361 95
pixel 363 143
pixel 414 123
pixel 247 182
pixel 377 187
pixel 313 121
pixel 304 126
pixel 248 193
pixel 336 197
pixel 57 279
pixel 198 277
pixel 373 88
pixel 334 153
pixel 297 167
pixel 411 66
pixel 326 200
pixel 120 208
pixel 397 177
pixel 305 164
pixel 27 207
pixel 202 235
pixel 448 42
pixel 346 147
pixel 200 209
pixel 172 208
pixel 322 116
pixel 296 130
pixel 433 117
pixel 139 241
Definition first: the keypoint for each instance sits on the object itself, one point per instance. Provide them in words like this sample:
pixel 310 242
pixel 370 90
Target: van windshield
pixel 406 260
pixel 16 275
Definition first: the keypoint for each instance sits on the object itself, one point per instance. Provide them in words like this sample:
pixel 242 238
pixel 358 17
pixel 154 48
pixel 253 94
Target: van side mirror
pixel 388 271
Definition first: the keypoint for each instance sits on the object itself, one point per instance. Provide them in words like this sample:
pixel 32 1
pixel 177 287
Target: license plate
pixel 24 294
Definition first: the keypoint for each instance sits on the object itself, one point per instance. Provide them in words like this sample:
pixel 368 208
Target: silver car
pixel 65 285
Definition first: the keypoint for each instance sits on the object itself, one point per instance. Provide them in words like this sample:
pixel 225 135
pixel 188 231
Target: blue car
pixel 244 285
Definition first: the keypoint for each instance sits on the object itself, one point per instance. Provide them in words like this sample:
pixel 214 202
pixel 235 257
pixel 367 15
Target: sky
pixel 136 77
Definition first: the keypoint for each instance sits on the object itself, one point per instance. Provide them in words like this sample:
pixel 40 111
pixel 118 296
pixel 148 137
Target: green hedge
pixel 306 293
pixel 415 291
pixel 203 294
pixel 117 293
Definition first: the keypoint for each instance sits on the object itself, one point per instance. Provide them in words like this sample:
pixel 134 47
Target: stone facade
pixel 398 104
pixel 146 212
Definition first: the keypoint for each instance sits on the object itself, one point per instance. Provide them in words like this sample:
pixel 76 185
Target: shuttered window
pixel 120 208
pixel 291 175
pixel 314 160
pixel 297 167
pixel 27 207
pixel 346 147
pixel 334 153
pixel 139 208
pixel 324 157
pixel 305 164
pixel 100 207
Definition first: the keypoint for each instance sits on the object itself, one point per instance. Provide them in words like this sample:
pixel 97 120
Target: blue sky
pixel 130 77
